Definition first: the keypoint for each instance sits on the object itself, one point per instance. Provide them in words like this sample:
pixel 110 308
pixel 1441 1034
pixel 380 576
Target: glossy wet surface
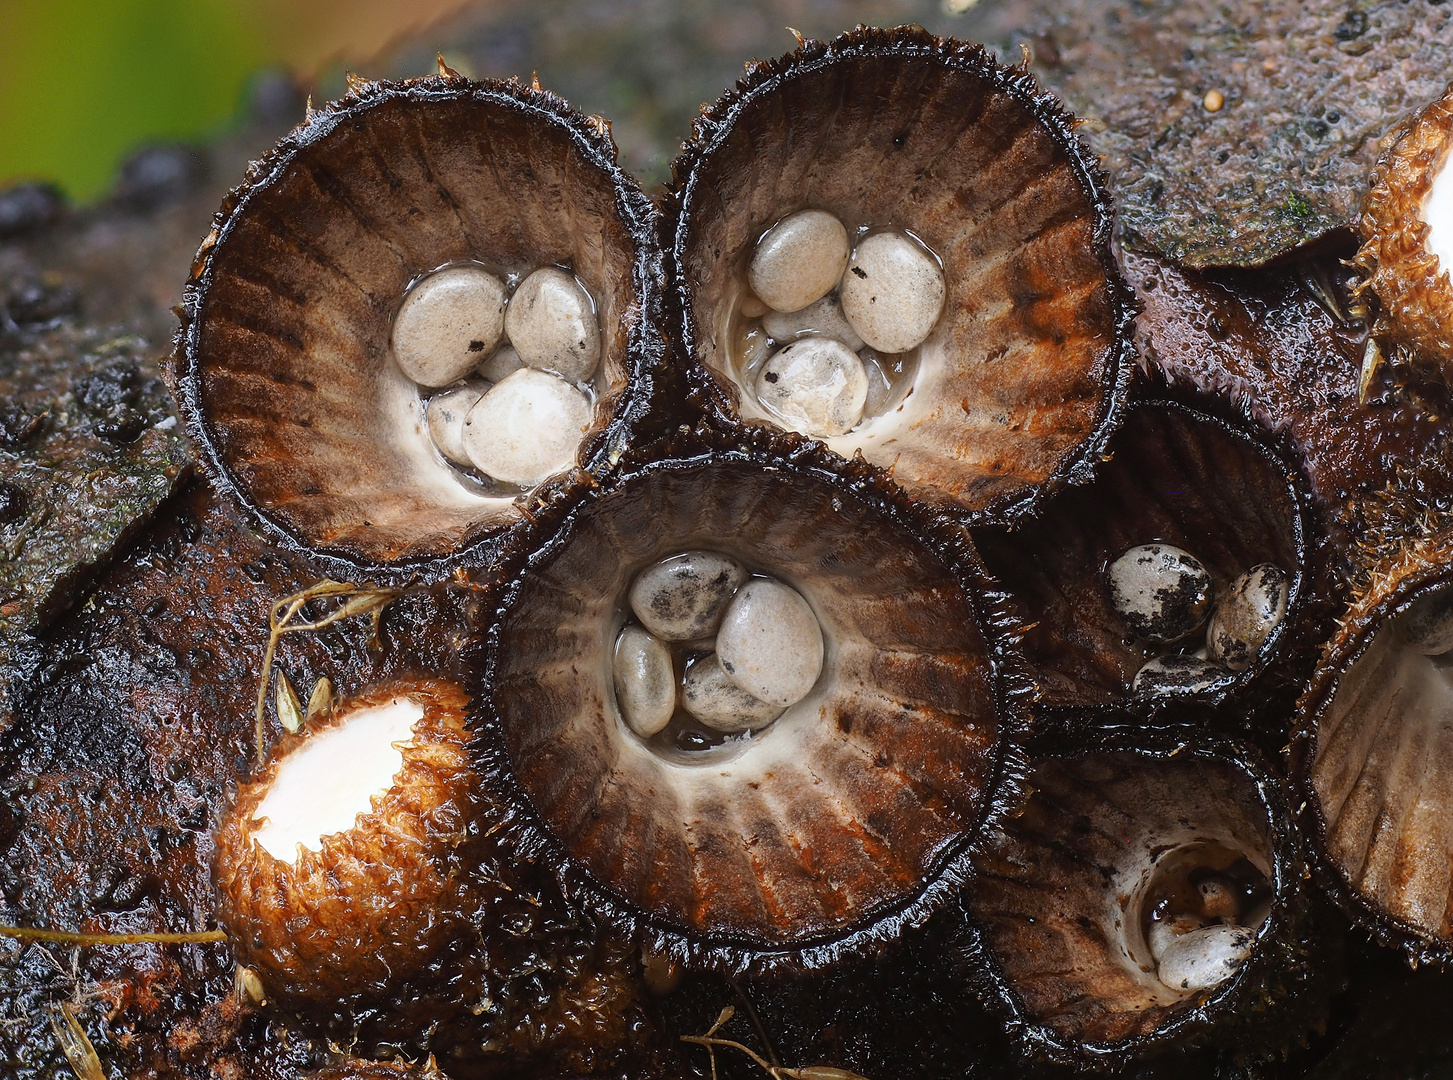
pixel 137 716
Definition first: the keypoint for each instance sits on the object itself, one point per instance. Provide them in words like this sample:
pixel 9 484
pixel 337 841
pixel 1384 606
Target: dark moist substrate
pixel 130 722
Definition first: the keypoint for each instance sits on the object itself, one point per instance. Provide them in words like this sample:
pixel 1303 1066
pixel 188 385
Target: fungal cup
pixel 1373 754
pixel 1178 481
pixel 1146 894
pixel 928 145
pixel 802 838
pixel 367 264
pixel 1407 231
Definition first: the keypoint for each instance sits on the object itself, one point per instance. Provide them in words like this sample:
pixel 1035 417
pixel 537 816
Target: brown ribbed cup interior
pixel 1176 478
pixel 300 396
pixel 846 803
pixel 1058 892
pixel 1382 774
pixel 1017 375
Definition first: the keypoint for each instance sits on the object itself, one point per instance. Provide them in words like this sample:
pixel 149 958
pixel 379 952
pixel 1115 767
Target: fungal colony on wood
pixel 752 687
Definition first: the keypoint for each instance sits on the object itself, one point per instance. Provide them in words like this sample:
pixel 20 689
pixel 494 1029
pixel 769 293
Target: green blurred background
pixel 82 82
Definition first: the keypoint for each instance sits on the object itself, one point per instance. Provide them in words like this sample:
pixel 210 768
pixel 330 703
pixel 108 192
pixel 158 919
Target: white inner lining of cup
pixel 1123 914
pixel 324 785
pixel 1437 211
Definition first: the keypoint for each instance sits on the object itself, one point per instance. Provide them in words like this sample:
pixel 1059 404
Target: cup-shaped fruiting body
pixel 1120 580
pixel 1407 232
pixel 1374 754
pixel 380 258
pixel 943 229
pixel 335 867
pixel 1150 890
pixel 857 627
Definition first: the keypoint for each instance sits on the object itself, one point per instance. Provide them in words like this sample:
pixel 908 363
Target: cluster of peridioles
pixel 520 417
pixel 1165 595
pixel 752 696
pixel 826 328
pixel 749 648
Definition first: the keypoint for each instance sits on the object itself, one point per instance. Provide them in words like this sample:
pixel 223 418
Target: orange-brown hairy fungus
pixel 1407 229
pixel 335 869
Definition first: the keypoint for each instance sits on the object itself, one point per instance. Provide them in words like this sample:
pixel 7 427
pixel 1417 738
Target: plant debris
pixel 75 1044
pixel 777 1072
pixel 356 600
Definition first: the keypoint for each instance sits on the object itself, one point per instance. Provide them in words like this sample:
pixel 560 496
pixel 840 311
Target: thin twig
pixel 65 937
pixel 776 1072
pixel 757 1023
pixel 703 1040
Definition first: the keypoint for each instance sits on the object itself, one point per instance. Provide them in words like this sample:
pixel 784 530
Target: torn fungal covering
pixel 1374 753
pixel 335 868
pixel 1407 229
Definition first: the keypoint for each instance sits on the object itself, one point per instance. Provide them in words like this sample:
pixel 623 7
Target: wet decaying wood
pixel 1278 156
pixel 135 604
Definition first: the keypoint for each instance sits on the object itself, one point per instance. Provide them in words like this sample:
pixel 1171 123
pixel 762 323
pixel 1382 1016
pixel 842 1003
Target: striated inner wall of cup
pixel 307 409
pixel 1012 379
pixel 1175 478
pixel 847 803
pixel 1060 894
pixel 1383 778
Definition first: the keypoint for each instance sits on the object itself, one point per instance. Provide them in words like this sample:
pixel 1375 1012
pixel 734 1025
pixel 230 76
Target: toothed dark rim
pixel 1170 709
pixel 647 371
pixel 531 837
pixel 1410 576
pixel 763 77
pixel 1239 997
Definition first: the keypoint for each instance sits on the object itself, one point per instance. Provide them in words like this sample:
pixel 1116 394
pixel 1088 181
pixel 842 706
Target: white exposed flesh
pixel 323 786
pixel 1438 213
